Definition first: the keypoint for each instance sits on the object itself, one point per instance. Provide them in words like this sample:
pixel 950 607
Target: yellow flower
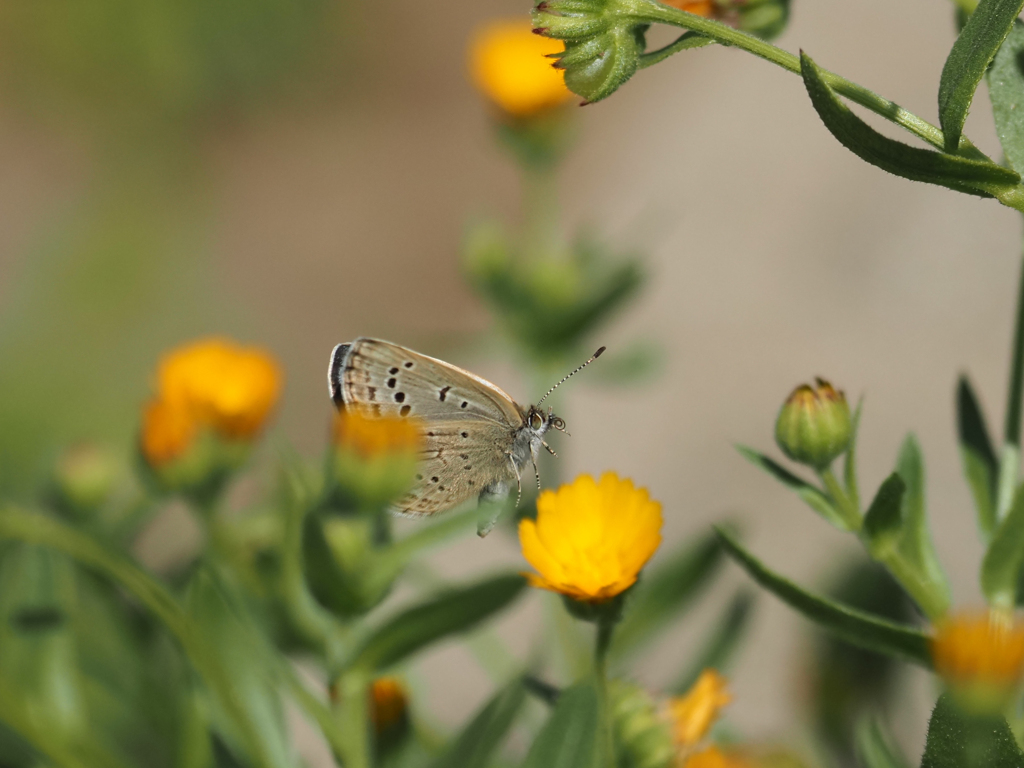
pixel 388 703
pixel 509 66
pixel 225 386
pixel 693 714
pixel 980 655
pixel 713 757
pixel 167 432
pixel 371 436
pixel 591 539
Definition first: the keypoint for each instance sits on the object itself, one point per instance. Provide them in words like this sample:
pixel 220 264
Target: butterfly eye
pixel 536 422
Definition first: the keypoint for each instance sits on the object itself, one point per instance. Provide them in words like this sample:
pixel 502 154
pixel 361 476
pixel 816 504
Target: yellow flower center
pixel 591 539
pixel 694 713
pixel 508 64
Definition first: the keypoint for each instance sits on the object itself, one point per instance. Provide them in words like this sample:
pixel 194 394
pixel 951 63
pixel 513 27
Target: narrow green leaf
pixel 684 42
pixel 665 591
pixel 814 497
pixel 569 738
pixel 720 645
pixel 850 462
pixel 16 525
pixel 975 177
pixel 1005 555
pixel 981 467
pixel 1006 91
pixel 884 520
pixel 978 42
pixel 1015 390
pixel 457 610
pixel 855 627
pixel 919 571
pixel 473 747
pixel 956 740
pixel 875 748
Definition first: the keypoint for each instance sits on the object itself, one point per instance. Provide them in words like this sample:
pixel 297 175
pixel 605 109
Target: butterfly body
pixel 477 440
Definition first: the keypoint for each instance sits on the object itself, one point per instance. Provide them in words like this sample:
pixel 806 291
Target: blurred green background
pixel 296 174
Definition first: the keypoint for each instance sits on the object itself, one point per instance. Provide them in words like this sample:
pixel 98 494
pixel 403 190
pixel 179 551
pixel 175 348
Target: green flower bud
pixel 813 427
pixel 341 562
pixel 602 44
pixel 765 18
pixel 84 478
pixel 641 732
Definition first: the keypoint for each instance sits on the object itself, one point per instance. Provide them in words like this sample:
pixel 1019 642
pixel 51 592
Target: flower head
pixel 167 432
pixel 225 386
pixel 814 426
pixel 591 538
pixel 713 757
pixel 980 656
pixel 704 8
pixel 508 64
pixel 693 714
pixel 375 457
pixel 388 703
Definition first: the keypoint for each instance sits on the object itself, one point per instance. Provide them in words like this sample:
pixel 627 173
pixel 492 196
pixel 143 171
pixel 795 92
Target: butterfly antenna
pixel 571 374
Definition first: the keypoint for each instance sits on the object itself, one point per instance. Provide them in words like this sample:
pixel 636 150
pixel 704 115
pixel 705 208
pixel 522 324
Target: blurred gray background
pixel 306 199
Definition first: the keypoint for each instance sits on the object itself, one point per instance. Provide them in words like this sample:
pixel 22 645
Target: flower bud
pixel 764 18
pixel 981 658
pixel 84 478
pixel 694 713
pixel 813 427
pixel 375 458
pixel 389 713
pixel 642 736
pixel 602 46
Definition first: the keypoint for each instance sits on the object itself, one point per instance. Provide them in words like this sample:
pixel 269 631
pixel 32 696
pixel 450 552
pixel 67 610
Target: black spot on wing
pixel 399 397
pixel 408 363
pixel 444 391
pixel 405 410
pixel 393 371
pixel 392 382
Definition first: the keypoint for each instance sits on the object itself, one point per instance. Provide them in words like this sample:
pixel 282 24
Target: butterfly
pixel 476 439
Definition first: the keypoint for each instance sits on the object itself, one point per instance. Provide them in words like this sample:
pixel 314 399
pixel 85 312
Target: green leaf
pixel 978 42
pixel 855 627
pixel 975 177
pixel 850 462
pixel 956 740
pixel 720 645
pixel 665 591
pixel 981 466
pixel 16 525
pixel 473 747
pixel 1006 91
pixel 884 521
pixel 874 746
pixel 569 738
pixel 456 610
pixel 684 42
pixel 814 497
pixel 1005 555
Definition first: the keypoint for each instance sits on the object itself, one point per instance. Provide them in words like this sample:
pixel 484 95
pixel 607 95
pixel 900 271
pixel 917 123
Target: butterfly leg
pixel 550 449
pixel 519 480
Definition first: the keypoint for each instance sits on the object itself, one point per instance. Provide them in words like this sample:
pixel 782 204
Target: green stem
pixel 605 627
pixel 932 603
pixel 653 11
pixel 851 515
pixel 352 713
pixel 540 211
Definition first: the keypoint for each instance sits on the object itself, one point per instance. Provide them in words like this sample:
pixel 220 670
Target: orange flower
pixel 372 436
pixel 713 757
pixel 388 703
pixel 704 8
pixel 693 714
pixel 509 66
pixel 591 539
pixel 167 431
pixel 223 385
pixel 980 655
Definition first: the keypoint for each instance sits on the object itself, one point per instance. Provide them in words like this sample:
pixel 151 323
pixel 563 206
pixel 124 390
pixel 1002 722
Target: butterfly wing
pixel 469 424
pixel 392 380
pixel 460 460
